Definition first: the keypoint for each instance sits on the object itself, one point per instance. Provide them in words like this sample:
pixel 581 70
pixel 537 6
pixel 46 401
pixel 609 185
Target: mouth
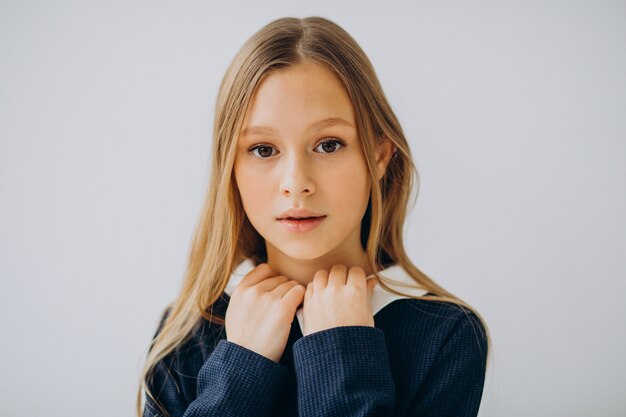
pixel 302 224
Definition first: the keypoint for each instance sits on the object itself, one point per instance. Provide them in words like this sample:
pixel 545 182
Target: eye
pixel 334 141
pixel 265 151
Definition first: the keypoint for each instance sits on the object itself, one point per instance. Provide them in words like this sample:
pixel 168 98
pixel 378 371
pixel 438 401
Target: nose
pixel 296 176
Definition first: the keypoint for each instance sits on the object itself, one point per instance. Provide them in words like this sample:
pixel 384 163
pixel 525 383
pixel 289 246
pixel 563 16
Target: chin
pixel 305 250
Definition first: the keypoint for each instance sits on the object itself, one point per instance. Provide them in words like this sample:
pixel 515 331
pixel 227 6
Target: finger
pixel 309 292
pixel 270 284
pixel 320 279
pixel 281 289
pixel 337 276
pixel 371 284
pixel 258 274
pixel 356 277
pixel 294 295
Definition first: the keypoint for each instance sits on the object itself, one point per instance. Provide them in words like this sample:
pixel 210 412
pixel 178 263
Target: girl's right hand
pixel 261 310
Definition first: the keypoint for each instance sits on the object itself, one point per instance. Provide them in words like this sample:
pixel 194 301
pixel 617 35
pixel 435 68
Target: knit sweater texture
pixel 422 358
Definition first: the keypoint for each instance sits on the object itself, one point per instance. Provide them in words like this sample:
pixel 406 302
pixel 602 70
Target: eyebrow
pixel 321 124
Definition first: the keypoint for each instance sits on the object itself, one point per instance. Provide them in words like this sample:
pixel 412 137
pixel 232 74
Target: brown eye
pixel 264 151
pixel 330 146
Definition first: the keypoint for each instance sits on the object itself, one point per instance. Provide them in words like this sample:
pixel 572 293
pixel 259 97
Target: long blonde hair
pixel 224 236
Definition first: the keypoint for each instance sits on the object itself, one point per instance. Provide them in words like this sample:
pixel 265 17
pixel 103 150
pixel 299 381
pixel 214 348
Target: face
pixel 299 148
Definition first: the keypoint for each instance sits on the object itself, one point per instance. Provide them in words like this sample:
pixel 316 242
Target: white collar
pixel 394 276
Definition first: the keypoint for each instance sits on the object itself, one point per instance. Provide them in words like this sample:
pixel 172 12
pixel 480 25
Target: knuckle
pixel 255 291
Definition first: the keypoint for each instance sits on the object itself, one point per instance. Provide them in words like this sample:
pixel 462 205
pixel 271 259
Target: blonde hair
pixel 224 236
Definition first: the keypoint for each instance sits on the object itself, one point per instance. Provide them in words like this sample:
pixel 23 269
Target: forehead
pixel 296 95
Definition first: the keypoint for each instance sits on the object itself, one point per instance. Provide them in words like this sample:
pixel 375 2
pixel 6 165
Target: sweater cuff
pixel 238 374
pixel 354 342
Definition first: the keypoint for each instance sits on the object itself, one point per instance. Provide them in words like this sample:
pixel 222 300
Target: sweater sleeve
pixel 237 382
pixel 454 385
pixel 233 381
pixel 343 371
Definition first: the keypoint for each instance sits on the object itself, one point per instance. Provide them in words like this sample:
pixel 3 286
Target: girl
pixel 299 298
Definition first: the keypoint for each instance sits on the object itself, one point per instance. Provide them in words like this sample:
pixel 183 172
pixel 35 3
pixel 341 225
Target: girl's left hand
pixel 338 298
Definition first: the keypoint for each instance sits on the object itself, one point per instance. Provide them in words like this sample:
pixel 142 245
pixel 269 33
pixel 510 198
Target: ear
pixel 384 151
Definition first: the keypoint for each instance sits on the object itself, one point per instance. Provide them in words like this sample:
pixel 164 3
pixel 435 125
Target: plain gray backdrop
pixel 516 116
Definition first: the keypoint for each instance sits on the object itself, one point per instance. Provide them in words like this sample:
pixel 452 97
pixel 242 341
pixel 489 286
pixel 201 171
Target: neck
pixel 303 270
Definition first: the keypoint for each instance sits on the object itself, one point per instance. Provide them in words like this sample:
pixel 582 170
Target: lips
pixel 299 213
pixel 301 225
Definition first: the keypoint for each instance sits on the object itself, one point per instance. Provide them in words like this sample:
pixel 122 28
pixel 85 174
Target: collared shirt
pixel 394 276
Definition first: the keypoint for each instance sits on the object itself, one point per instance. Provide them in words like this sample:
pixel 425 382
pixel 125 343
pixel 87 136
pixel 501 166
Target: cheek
pixel 350 189
pixel 251 191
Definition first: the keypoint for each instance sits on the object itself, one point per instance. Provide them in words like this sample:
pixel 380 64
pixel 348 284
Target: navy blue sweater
pixel 422 358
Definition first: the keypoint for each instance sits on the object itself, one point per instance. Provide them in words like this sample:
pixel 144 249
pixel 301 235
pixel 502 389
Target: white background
pixel 516 115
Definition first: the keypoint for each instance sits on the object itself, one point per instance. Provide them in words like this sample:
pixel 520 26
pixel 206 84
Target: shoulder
pixel 191 351
pixel 203 330
pixel 200 341
pixel 430 325
pixel 419 311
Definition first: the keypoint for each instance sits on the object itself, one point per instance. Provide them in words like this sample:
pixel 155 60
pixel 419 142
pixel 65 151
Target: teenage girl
pixel 299 298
